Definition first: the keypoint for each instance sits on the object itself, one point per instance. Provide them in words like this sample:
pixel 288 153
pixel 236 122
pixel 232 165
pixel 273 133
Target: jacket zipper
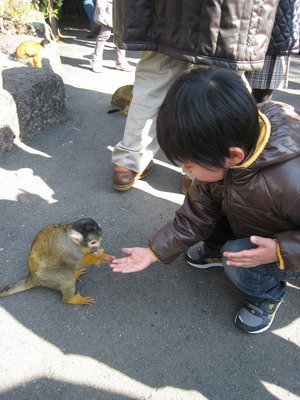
pixel 226 202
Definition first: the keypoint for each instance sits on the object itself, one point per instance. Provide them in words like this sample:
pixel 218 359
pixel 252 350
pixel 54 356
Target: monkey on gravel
pixel 31 52
pixel 59 254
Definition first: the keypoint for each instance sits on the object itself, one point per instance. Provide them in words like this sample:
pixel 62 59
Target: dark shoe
pixel 124 178
pixel 93 32
pixel 252 319
pixel 200 256
pixel 185 184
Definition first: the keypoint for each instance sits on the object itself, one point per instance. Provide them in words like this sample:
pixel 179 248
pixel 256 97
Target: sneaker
pixel 252 319
pixel 97 67
pixel 124 66
pixel 200 256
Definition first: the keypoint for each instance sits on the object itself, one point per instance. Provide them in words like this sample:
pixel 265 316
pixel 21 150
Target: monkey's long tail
pixel 18 287
pixel 113 110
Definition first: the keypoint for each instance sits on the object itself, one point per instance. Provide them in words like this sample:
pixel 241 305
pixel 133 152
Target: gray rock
pixel 39 96
pixel 9 126
pixel 31 99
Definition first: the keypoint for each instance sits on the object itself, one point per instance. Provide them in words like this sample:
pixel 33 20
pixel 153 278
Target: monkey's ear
pixel 76 237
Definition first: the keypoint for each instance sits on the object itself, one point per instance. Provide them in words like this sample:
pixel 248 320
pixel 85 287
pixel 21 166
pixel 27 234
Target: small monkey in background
pixel 59 254
pixel 31 52
pixel 121 98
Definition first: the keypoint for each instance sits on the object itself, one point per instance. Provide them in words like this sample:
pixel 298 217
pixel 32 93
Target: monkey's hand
pixel 79 272
pixel 96 258
pixel 104 258
pixel 108 259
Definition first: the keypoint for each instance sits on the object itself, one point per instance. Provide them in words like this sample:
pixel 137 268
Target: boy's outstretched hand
pixel 140 258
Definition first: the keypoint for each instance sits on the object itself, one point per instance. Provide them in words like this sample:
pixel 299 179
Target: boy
pixel 244 202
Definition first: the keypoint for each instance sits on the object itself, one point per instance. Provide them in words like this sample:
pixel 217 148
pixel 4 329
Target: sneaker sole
pixel 125 70
pixel 260 330
pixel 253 332
pixel 205 266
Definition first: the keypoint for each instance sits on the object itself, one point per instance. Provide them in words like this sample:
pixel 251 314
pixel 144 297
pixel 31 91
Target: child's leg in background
pixel 102 38
pixel 122 63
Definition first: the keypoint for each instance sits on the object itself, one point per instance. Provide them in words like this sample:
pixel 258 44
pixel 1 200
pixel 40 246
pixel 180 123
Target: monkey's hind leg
pixel 64 280
pixel 69 295
pixel 37 62
pixel 124 113
pixel 78 299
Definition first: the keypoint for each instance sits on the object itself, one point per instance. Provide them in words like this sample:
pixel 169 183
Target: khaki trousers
pixel 155 73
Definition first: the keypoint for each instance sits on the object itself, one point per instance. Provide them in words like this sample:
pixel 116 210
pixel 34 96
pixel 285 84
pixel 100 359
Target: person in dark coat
pixel 172 35
pixel 284 38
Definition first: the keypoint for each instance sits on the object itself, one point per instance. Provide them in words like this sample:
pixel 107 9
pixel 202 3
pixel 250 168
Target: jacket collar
pixel 264 135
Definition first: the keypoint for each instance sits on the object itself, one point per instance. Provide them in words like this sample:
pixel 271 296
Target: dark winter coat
pixel 230 33
pixel 260 197
pixel 285 32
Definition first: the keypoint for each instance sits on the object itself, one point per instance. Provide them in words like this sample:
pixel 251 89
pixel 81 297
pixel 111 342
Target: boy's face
pixel 236 157
pixel 203 174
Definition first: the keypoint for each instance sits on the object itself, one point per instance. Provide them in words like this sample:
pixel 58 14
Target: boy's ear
pixel 236 157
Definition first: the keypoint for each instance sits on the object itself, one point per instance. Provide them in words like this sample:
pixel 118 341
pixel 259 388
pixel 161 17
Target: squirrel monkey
pixel 59 254
pixel 122 98
pixel 31 52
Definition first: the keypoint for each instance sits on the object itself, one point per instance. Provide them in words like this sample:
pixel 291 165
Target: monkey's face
pixel 87 233
pixel 94 242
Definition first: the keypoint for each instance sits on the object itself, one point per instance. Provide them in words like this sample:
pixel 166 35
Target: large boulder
pixel 31 99
pixel 9 126
pixel 39 97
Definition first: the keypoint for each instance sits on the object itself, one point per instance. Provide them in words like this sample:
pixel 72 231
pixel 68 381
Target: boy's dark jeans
pixel 260 285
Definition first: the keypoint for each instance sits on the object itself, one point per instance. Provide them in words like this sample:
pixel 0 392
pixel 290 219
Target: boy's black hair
pixel 205 112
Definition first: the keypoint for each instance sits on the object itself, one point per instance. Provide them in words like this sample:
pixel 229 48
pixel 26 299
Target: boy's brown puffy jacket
pixel 230 33
pixel 260 197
